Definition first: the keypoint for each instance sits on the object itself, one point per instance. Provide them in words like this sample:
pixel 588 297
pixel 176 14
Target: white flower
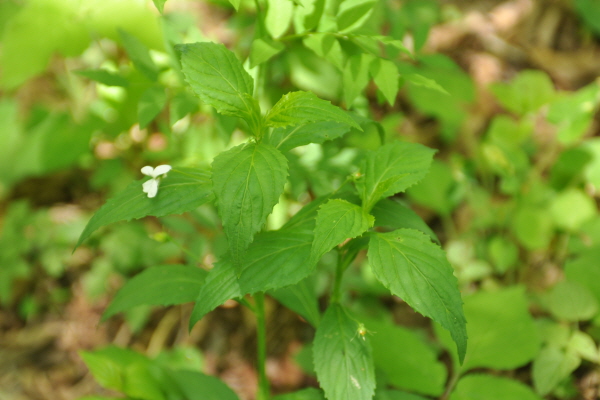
pixel 151 186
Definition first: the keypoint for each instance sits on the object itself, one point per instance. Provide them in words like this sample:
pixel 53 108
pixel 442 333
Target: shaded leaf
pixel 287 138
pixel 263 49
pixel 248 180
pixel 551 366
pixel 489 387
pixel 394 215
pixel 162 285
pixel 151 103
pixel 104 77
pixel 139 55
pixel 343 361
pixel 300 298
pixel 327 46
pixel 416 270
pixel 184 189
pixel 197 386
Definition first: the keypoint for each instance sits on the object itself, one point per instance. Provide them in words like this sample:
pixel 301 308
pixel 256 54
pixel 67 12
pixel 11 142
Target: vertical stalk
pixel 261 333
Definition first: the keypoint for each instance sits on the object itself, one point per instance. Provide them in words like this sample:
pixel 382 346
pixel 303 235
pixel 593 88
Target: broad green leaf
pixel 572 208
pixel 551 366
pixel 276 259
pixel 124 370
pixel 437 189
pixel 104 77
pixel 416 270
pixel 221 285
pixel 278 17
pixel 219 79
pixel 570 301
pixel 248 180
pixel 343 361
pixel 352 14
pixel 502 333
pixel 301 108
pixel 421 81
pixel 406 360
pixel 355 76
pixel 584 346
pixel 304 394
pixel 197 386
pixel 584 271
pixel 163 285
pixel 397 395
pixel 300 298
pixel 337 220
pixel 489 387
pixel 287 138
pixel 385 74
pixel 526 93
pixel 139 55
pixel 151 103
pixel 160 5
pixel 327 46
pixel 263 49
pixel 394 215
pixel 184 189
pixel 532 226
pixel 392 169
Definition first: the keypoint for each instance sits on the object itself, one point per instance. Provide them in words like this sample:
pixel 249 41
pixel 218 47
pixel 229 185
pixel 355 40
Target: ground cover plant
pixel 278 174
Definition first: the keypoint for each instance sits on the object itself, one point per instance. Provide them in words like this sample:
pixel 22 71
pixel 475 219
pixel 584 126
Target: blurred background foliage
pixel 508 92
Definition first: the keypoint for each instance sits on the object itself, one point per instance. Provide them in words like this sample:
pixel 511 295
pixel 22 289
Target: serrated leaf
pixel 184 189
pixel 300 298
pixel 352 14
pixel 104 77
pixel 278 17
pixel 337 220
pixel 263 49
pixel 162 285
pixel 287 138
pixel 416 270
pixel 385 74
pixel 219 79
pixel 221 285
pixel 248 180
pixel 489 387
pixel 151 103
pixel 343 361
pixel 327 46
pixel 355 76
pixel 301 108
pixel 276 259
pixel 139 55
pixel 391 169
pixel 394 215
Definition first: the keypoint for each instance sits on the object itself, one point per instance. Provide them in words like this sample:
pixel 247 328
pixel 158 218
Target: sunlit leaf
pixel 263 49
pixel 287 138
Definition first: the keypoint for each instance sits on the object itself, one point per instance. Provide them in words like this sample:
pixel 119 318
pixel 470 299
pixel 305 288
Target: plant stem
pixel 261 332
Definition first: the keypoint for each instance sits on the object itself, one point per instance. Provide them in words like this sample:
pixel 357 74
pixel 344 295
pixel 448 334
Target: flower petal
pixel 150 187
pixel 161 170
pixel 148 170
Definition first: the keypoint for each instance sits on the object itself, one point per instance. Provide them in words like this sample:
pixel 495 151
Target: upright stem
pixel 261 332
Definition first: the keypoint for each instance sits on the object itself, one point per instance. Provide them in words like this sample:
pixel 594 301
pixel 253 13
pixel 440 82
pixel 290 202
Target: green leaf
pixel 570 301
pixel 352 14
pixel 263 49
pixel 163 285
pixel 104 77
pixel 184 189
pixel 489 387
pixel 304 394
pixel 160 5
pixel 276 259
pixel 327 46
pixel 343 361
pixel 337 220
pixel 355 76
pixel 385 74
pixel 287 138
pixel 301 108
pixel 235 4
pixel 526 93
pixel 221 285
pixel 406 360
pixel 571 208
pixel 421 81
pixel 502 334
pixel 300 298
pixel 584 270
pixel 197 386
pixel 248 180
pixel 219 79
pixel 278 17
pixel 437 189
pixel 151 103
pixel 416 270
pixel 139 55
pixel 551 366
pixel 392 169
pixel 397 395
pixel 394 215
